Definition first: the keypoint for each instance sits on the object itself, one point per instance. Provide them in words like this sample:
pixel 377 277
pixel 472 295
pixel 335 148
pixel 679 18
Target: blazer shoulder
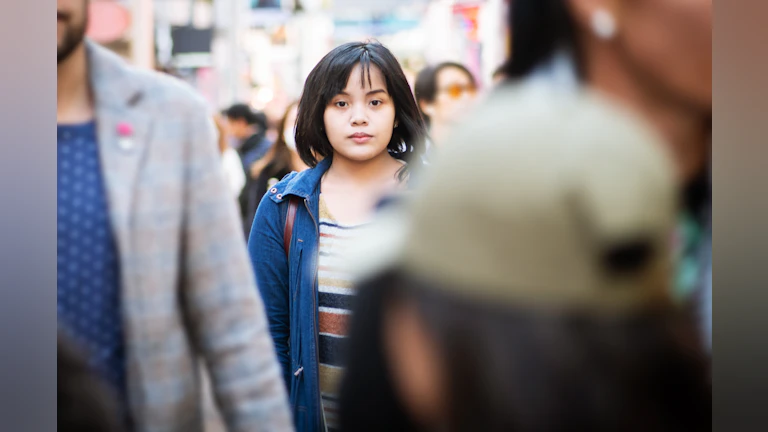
pixel 167 91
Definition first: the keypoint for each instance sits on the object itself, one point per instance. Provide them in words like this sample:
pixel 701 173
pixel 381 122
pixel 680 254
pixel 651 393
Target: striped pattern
pixel 336 292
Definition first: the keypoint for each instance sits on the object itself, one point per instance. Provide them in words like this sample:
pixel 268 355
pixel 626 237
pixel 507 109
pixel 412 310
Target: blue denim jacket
pixel 290 291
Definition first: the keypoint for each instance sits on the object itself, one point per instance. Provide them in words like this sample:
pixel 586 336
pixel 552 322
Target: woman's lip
pixel 361 139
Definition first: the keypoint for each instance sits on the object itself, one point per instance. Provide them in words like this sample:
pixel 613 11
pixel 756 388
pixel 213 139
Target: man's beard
pixel 73 37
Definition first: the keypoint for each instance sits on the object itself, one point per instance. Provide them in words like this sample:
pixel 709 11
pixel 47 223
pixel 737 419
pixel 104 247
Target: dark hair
pixel 84 402
pixel 538 29
pixel 521 369
pixel 425 87
pixel 329 78
pixel 244 112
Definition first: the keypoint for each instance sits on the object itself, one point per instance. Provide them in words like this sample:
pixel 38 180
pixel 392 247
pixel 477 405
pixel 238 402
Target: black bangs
pixel 341 68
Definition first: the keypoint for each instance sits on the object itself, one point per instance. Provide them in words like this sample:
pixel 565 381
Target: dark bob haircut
pixel 539 29
pixel 425 87
pixel 524 369
pixel 330 77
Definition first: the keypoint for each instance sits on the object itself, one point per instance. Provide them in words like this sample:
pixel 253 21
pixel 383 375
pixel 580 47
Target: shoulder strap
pixel 290 218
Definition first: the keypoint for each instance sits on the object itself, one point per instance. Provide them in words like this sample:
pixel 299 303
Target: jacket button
pixel 279 196
pixel 273 190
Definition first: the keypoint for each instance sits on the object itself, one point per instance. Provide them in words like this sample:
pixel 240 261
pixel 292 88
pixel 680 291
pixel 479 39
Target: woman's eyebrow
pixel 343 93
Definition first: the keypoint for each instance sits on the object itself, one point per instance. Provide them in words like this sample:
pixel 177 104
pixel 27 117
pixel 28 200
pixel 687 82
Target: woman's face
pixel 455 94
pixel 359 121
pixel 667 44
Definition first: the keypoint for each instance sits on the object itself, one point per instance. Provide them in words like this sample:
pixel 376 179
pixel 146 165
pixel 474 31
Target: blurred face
pixel 455 93
pixel 666 44
pixel 71 22
pixel 673 38
pixel 359 121
pixel 237 128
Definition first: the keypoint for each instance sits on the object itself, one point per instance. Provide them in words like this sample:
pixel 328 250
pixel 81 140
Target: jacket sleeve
pixel 271 266
pixel 225 313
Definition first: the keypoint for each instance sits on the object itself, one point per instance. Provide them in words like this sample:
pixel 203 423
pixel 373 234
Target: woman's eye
pixel 376 102
pixel 341 104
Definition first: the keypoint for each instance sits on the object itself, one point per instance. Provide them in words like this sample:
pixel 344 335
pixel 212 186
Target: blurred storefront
pixel 260 51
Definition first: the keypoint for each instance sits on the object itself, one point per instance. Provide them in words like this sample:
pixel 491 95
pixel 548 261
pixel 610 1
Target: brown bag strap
pixel 290 218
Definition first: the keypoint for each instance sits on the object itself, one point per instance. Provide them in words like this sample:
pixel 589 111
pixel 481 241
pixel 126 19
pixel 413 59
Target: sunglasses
pixel 456 90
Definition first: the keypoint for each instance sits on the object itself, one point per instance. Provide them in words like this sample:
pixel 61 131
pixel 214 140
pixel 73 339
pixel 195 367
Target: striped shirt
pixel 335 292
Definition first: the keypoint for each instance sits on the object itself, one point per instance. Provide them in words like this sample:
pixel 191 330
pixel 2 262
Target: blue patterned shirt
pixel 88 281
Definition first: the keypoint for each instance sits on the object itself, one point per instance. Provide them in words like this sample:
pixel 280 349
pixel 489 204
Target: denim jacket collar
pixel 302 184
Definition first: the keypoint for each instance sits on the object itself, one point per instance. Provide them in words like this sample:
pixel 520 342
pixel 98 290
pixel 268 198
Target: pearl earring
pixel 603 24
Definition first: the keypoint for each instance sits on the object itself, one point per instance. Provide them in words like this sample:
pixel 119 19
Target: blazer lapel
pixel 117 98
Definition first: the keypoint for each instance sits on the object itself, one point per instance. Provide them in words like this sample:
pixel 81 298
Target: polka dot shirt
pixel 88 272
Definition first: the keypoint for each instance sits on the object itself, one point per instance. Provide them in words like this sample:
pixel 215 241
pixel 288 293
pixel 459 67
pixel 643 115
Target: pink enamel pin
pixel 125 135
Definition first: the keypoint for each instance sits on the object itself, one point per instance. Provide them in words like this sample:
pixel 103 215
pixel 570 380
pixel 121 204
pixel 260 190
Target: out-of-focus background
pixel 260 51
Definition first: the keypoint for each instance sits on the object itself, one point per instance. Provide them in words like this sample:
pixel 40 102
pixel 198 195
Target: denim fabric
pixel 289 287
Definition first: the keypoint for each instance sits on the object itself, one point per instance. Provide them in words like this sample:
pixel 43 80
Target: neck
pixel 296 163
pixel 370 172
pixel 682 126
pixel 73 99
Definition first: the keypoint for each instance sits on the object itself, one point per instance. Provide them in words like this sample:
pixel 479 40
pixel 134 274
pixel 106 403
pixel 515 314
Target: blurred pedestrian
pixel 655 57
pixel 153 274
pixel 230 160
pixel 358 127
pixel 444 93
pixel 526 284
pixel 281 160
pixel 248 128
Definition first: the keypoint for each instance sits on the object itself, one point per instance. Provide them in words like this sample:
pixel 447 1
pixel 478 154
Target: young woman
pixel 654 57
pixel 358 127
pixel 281 159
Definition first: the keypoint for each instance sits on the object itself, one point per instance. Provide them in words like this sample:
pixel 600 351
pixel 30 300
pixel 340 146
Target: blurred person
pixel 249 130
pixel 153 275
pixel 526 284
pixel 84 402
pixel 281 160
pixel 444 92
pixel 230 160
pixel 359 130
pixel 655 57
